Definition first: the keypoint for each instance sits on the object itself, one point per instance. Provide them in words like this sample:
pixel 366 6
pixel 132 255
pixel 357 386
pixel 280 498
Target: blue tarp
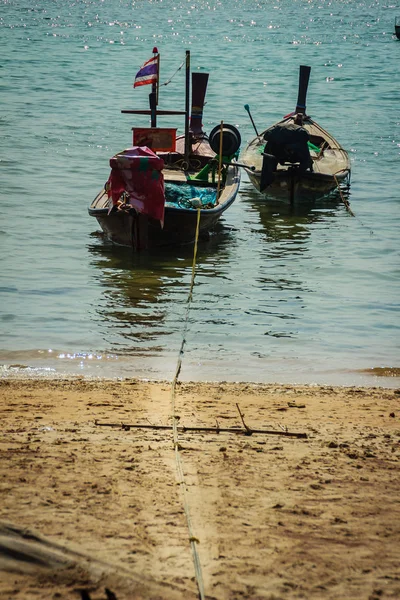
pixel 189 196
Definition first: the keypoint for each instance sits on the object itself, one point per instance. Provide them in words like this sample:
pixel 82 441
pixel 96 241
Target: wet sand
pixel 86 505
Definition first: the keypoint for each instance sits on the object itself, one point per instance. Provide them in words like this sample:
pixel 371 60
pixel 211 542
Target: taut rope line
pixel 175 419
pixel 172 76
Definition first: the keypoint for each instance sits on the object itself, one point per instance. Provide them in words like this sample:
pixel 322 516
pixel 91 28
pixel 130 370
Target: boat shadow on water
pixel 142 296
pixel 283 221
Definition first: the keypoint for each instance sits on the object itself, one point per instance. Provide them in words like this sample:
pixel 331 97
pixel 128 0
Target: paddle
pixel 199 88
pixel 247 108
pixel 304 76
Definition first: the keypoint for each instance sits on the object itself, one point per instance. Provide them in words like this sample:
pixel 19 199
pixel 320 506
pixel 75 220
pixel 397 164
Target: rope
pixel 344 200
pixel 175 419
pixel 347 203
pixel 171 78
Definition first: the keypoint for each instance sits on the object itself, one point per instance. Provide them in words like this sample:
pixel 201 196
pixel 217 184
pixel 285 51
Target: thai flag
pixel 147 73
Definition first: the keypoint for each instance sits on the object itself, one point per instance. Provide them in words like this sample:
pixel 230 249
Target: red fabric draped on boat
pixel 138 171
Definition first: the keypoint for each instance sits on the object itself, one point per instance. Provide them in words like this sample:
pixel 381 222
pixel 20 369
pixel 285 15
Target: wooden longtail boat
pixel 157 188
pixel 296 158
pixel 397 27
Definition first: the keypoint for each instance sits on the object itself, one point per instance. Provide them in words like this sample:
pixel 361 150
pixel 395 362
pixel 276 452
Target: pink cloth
pixel 138 172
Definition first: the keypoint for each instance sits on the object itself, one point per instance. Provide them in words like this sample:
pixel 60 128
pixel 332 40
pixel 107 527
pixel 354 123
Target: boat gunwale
pixel 228 195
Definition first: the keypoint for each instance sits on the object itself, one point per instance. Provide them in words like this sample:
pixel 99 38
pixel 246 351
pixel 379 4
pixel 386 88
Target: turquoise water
pixel 281 294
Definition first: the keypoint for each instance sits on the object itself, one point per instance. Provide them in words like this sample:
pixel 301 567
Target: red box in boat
pixel 158 139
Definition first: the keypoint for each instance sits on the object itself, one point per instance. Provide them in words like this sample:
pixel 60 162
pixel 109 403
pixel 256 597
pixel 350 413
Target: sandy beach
pixel 93 506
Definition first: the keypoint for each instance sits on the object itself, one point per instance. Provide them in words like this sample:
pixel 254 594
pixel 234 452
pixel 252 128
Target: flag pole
pixel 153 97
pixel 155 50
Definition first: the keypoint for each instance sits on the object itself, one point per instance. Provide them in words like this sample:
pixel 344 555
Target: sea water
pixel 284 294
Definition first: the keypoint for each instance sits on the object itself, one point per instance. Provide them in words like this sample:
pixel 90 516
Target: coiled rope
pixel 175 419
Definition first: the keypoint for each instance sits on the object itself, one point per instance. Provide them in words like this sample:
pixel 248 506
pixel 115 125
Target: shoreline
pixel 49 364
pixel 273 516
pixel 378 377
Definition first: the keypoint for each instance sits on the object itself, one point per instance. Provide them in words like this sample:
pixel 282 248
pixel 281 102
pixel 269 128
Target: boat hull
pixel 331 167
pixel 297 187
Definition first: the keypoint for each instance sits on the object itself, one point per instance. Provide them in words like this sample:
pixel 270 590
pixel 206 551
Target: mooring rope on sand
pixel 175 419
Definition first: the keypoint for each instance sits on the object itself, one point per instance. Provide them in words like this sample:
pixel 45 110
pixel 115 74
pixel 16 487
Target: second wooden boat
pixel 296 158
